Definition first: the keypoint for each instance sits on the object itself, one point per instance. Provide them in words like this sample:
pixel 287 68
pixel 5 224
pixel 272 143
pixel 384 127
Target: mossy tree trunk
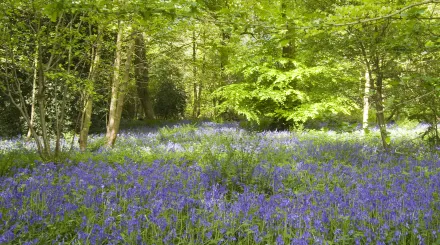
pixel 86 115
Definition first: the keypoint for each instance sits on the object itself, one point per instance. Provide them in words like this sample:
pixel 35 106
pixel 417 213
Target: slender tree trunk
pixel 224 54
pixel 41 94
pixel 23 111
pixel 21 106
pixel 224 60
pixel 34 92
pixel 60 121
pixel 85 123
pixel 288 50
pixel 194 57
pixel 61 111
pixel 199 95
pixel 142 77
pixel 14 88
pixel 34 135
pixel 366 106
pixel 41 99
pixel 435 125
pixel 113 121
pixel 380 108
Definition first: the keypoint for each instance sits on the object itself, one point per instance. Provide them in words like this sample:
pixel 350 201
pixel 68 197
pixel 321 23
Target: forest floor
pixel 219 184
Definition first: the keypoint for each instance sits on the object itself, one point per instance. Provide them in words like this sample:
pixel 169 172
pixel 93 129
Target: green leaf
pixel 429 44
pixel 367 131
pixel 394 83
pixel 388 139
pixel 284 42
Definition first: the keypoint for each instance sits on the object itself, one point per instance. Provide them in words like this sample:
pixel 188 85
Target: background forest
pixel 71 67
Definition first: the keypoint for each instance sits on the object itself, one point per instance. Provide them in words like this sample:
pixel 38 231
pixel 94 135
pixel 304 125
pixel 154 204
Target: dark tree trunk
pixel 142 77
pixel 288 50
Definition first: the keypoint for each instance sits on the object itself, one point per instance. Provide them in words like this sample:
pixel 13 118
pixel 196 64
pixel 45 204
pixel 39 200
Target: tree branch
pixel 416 98
pixel 384 16
pixel 360 21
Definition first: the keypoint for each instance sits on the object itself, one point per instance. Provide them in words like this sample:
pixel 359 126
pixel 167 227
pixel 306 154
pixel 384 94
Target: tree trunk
pixel 41 99
pixel 34 92
pixel 194 57
pixel 224 60
pixel 14 88
pixel 60 121
pixel 142 77
pixel 113 121
pixel 380 109
pixel 436 140
pixel 224 53
pixel 199 95
pixel 124 84
pixel 288 50
pixel 85 123
pixel 118 89
pixel 366 106
pixel 378 97
pixel 86 116
pixel 21 106
pixel 61 111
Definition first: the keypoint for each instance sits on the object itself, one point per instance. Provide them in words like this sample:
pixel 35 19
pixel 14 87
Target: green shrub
pixel 170 100
pixel 407 123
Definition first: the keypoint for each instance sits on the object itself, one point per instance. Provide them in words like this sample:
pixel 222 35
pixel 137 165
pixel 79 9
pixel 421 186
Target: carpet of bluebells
pixel 219 184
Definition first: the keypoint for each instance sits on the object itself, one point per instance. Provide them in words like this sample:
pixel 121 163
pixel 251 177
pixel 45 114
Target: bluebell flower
pixel 279 240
